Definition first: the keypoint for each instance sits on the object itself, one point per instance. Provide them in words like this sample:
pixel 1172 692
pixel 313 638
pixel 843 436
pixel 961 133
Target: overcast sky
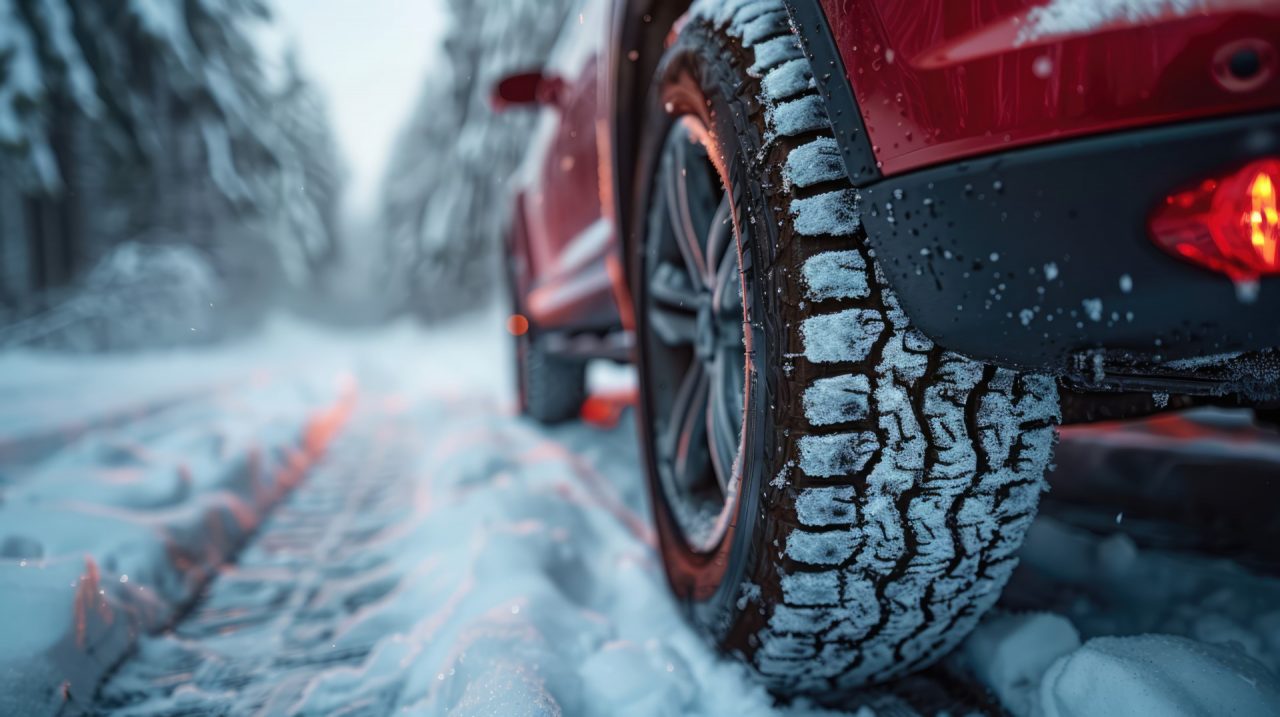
pixel 369 58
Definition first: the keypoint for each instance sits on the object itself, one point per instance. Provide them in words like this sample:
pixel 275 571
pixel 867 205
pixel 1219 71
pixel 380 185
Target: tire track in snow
pixel 447 558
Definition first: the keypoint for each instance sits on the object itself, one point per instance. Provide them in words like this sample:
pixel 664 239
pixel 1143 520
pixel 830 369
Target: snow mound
pixel 1157 675
pixel 139 296
pixel 106 538
pixel 1010 653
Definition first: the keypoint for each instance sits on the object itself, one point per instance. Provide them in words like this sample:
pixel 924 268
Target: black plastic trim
pixel 810 22
pixel 972 247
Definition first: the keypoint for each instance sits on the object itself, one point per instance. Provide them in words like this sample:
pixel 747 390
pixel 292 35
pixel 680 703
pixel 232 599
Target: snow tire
pixel 887 483
pixel 552 388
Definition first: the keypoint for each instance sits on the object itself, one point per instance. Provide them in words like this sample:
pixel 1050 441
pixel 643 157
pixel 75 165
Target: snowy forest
pixel 146 148
pixel 163 181
pixel 444 196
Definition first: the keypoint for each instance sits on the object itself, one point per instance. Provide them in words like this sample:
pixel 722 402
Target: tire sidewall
pixel 693 81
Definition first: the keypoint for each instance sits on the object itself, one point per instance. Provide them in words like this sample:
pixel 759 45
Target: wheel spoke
pixel 685 187
pixel 694 360
pixel 685 435
pixel 724 417
pixel 719 236
pixel 727 288
pixel 674 328
pixel 669 286
pixel 674 310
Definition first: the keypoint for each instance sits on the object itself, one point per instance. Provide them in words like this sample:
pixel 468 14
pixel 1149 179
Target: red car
pixel 867 256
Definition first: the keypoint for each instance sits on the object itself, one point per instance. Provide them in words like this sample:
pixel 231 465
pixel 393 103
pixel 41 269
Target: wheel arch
pixel 642 27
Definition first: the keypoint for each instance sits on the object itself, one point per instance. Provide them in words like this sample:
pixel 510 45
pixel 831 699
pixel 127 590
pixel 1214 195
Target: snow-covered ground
pixel 442 556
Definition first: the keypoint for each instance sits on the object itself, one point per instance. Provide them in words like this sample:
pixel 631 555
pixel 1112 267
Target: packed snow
pixel 791 78
pixel 495 567
pixel 847 336
pixel 137 296
pixel 796 117
pixel 125 485
pixel 836 275
pixel 837 400
pixel 814 163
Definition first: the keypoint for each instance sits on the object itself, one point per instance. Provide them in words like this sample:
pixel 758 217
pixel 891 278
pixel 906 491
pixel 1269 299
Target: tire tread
pixel 940 467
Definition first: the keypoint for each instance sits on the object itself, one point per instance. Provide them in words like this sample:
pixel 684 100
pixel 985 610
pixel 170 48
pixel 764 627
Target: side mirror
pixel 525 89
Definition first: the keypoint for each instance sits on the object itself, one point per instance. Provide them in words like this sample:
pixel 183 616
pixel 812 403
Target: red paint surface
pixel 604 410
pixel 941 80
pixel 560 190
pixel 566 199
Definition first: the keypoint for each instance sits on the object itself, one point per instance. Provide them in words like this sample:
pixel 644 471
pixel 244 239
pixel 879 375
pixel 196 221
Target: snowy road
pixel 445 556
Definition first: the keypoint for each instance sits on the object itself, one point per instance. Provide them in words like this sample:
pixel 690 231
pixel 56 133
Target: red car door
pixel 564 201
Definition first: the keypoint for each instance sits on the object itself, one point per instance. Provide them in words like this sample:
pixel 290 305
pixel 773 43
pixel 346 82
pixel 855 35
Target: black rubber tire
pixel 886 483
pixel 551 388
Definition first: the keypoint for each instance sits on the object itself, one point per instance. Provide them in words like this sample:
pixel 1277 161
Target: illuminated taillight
pixel 1230 223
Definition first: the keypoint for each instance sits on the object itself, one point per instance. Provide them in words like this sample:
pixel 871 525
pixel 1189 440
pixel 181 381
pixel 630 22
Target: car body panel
pixel 562 195
pixel 962 96
pixel 1035 257
pixel 941 80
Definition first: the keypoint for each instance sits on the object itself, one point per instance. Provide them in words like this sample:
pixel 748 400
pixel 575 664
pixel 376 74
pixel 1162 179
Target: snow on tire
pixel 901 477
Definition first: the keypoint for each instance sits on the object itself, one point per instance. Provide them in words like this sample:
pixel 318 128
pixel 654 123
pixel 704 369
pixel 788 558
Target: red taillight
pixel 1230 224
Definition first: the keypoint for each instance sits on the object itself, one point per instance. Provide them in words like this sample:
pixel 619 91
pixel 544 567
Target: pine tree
pixel 309 181
pixel 446 203
pixel 153 120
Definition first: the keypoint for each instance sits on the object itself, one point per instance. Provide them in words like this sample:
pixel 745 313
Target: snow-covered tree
pixel 153 120
pixel 445 194
pixel 309 181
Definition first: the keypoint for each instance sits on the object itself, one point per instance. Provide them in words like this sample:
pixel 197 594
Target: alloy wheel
pixel 694 339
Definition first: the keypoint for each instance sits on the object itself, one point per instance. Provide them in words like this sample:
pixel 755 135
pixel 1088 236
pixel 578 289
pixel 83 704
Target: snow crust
pixel 522 575
pixel 836 454
pixel 1157 675
pixel 105 536
pixel 806 114
pixel 821 507
pixel 763 26
pixel 833 213
pixel 837 400
pixel 814 163
pixel 788 80
pixel 813 549
pixel 845 336
pixel 836 275
pixel 772 53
